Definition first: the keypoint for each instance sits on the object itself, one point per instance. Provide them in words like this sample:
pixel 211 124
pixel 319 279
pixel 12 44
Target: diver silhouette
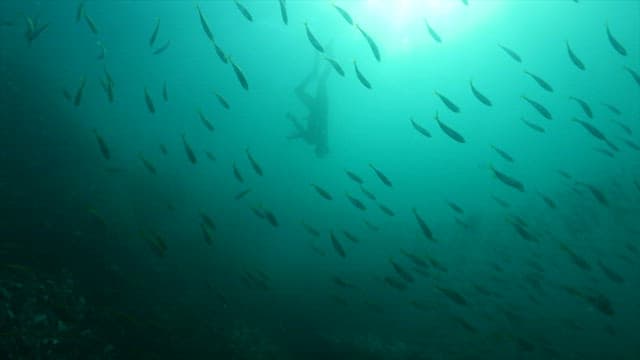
pixel 316 131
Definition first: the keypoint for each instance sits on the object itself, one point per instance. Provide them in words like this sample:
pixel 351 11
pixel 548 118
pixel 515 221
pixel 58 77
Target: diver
pixel 316 131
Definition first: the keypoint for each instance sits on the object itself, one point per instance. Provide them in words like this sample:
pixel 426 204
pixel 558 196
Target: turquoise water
pixel 546 268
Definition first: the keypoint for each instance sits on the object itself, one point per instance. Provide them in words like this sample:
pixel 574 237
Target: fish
pixel 254 164
pixel 462 224
pixel 583 104
pixel 575 258
pixel 368 193
pixel 363 80
pixel 208 238
pixel 312 39
pixel 421 306
pixel 163 149
pixel 371 226
pixel 283 11
pixel 605 152
pixel 512 54
pixel 426 231
pixel 481 97
pixel 258 212
pixel 207 220
pixel 597 194
pixel 386 210
pixel 633 74
pixel 533 126
pixel 104 149
pixel 507 180
pixel 372 44
pixel 92 25
pixel 148 165
pixel 154 34
pixel 434 35
pixel 237 174
pixel 345 15
pixel 34 31
pixel 356 202
pixel 210 155
pixel 108 89
pixel 610 274
pixel 222 101
pixel 538 107
pixel 449 131
pixel 207 124
pixel 419 128
pixel 203 23
pixel 632 144
pixel 574 58
pixel 453 295
pixel 149 101
pixel 541 82
pixel 80 11
pixel 591 129
pixel 623 126
pixel 103 51
pixel 165 92
pixel 354 177
pixel 455 207
pixel 404 274
pixel 162 48
pixel 385 180
pixel 221 55
pixel 521 229
pixel 239 75
pixel 612 108
pixel 564 174
pixel 187 148
pixel 342 283
pixel 395 283
pixel 67 95
pixel 448 103
pixel 500 202
pixel 242 194
pixel 244 11
pixel 78 96
pixel 336 245
pixel 350 236
pixel 550 203
pixel 335 65
pixel 310 229
pixel 322 192
pixel 503 154
pixel 465 324
pixel 415 259
pixel 617 46
pixel 271 218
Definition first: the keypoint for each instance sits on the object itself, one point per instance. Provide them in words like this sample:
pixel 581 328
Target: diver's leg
pixel 301 89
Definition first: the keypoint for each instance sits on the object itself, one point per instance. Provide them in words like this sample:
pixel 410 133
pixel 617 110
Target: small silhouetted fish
pixel 237 174
pixel 503 153
pixel 455 207
pixel 539 107
pixel 500 202
pixel 541 82
pixel 350 236
pixel 522 231
pixel 395 283
pixel 418 261
pixel 242 194
pixel 533 126
pixel 612 108
pixel 341 282
pixel 583 104
pixel 596 193
pixel 154 34
pixel 322 192
pixel 623 126
pixel 371 226
pixel 79 11
pixel 453 295
pixel 508 180
pixel 335 65
pixel 511 53
pixel 363 80
pixel 354 177
pixel 386 210
pixel 372 44
pixel 103 145
pixel 162 48
pixel 163 149
pixel 210 155
pixel 449 131
pixel 149 101
pixel 605 152
pixel 448 103
pixel 345 15
pixel 108 89
pixel 222 101
pixel 148 165
pixel 564 174
pixel 575 258
pixel 368 193
pixel 254 164
pixel 207 124
pixel 404 274
pixel 283 11
pixel 243 10
pixel 550 203
pixel 336 245
pixel 221 55
pixel 385 180
pixel 203 22
pixel 187 149
pixel 355 202
pixel 91 23
pixel 434 35
pixel 591 129
pixel 423 225
pixel 633 74
pixel 67 95
pixel 77 99
pixel 419 128
pixel 271 218
pixel 617 46
pixel 310 229
pixel 612 275
pixel 481 97
pixel 239 75
pixel 574 59
pixel 632 144
pixel 312 38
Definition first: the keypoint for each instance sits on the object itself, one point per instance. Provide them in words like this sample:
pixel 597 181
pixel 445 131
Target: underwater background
pixel 479 196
